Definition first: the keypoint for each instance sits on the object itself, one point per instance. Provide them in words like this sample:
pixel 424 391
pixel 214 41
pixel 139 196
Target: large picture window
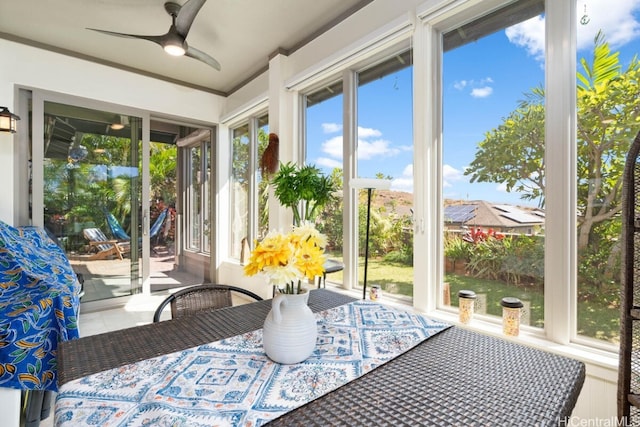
pixel 324 150
pixel 608 107
pixel 385 151
pixel 493 179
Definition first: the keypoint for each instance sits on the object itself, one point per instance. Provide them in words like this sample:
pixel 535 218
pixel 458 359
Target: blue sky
pixel 483 82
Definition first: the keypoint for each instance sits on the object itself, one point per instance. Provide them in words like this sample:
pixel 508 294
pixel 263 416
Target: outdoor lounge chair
pixel 105 247
pixel 119 233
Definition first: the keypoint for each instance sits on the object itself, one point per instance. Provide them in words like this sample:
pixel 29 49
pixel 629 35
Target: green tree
pixel 329 220
pixel 162 171
pixel 513 153
pixel 241 171
pixel 608 108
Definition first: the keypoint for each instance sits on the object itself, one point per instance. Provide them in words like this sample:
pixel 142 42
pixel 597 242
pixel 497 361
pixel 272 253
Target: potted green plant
pixel 304 189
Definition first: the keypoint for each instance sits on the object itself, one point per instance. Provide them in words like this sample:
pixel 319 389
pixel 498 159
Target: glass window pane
pixel 608 107
pixel 493 162
pixel 194 196
pixel 240 177
pixel 385 151
pixel 162 210
pixel 92 195
pixel 263 184
pixel 206 191
pixel 324 150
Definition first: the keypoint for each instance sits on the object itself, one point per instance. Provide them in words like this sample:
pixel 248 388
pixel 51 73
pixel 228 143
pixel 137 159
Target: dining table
pixel 452 377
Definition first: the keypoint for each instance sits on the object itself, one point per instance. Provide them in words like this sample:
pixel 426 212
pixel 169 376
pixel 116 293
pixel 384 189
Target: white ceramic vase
pixel 290 329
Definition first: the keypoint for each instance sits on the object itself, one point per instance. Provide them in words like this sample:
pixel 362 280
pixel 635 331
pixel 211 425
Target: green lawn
pixel 392 277
pixel 597 319
pixel 495 291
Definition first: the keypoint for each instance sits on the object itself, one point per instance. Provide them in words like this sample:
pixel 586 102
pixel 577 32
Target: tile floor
pixel 137 311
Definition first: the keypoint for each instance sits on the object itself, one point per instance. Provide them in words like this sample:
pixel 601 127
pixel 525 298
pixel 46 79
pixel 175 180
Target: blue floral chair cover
pixel 39 302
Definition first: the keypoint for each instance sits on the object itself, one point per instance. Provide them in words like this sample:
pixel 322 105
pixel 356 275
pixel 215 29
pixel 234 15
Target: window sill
pixel 533 337
pixel 606 360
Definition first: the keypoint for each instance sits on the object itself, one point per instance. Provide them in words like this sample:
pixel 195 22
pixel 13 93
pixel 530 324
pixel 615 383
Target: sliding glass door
pixel 92 192
pixel 127 196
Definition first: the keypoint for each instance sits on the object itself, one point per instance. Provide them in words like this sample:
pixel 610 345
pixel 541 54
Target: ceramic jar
pixel 290 329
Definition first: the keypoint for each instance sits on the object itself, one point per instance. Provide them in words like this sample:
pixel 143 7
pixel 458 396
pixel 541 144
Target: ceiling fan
pixel 174 41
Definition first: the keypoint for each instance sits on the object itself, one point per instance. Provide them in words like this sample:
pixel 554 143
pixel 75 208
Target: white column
pixel 350 171
pixel 283 121
pixel 560 159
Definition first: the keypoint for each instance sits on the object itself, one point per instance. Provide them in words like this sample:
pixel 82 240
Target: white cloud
pixel 450 175
pixel 402 184
pixel 502 188
pixel 614 18
pixel 368 148
pixel 380 147
pixel 482 92
pixel 405 182
pixel 333 147
pixel 328 163
pixel 368 132
pixel 530 35
pixel 479 88
pixel 331 127
pixel 460 84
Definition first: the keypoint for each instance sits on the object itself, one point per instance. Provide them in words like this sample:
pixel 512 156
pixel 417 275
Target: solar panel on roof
pixel 506 208
pixel 516 214
pixel 522 218
pixel 459 213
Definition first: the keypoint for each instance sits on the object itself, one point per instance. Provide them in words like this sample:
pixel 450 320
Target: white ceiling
pixel 240 34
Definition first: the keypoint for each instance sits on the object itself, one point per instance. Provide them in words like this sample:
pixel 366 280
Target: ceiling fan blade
pixel 155 39
pixel 187 15
pixel 194 53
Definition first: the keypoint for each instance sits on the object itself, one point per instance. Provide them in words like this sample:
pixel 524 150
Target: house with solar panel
pixel 506 219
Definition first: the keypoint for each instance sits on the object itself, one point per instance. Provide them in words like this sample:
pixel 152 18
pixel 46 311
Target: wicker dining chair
pixel 200 298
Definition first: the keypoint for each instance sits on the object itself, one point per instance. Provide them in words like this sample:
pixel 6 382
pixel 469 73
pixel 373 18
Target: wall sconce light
pixel 7 120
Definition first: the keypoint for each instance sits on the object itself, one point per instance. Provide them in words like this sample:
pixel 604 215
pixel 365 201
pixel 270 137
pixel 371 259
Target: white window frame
pixel 202 245
pixel 434 19
pixel 560 299
pixel 252 123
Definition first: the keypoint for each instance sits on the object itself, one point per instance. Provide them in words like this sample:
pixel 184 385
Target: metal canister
pixel 511 312
pixel 375 293
pixel 466 305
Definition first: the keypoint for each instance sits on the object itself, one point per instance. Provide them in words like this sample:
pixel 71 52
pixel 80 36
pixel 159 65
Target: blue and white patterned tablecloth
pixel 232 382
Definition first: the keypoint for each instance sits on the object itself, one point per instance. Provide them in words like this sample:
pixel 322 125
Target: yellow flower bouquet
pixel 286 259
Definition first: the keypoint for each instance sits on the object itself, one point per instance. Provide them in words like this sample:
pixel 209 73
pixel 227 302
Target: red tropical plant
pixel 477 235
